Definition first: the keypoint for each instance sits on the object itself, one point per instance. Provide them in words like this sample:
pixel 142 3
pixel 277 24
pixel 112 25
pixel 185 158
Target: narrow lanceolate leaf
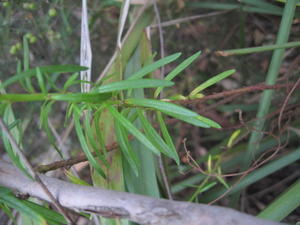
pixel 44 123
pixel 8 118
pixel 154 66
pixel 69 97
pixel 41 81
pixel 162 106
pixel 131 157
pixel 155 138
pixel 174 111
pixel 78 97
pixel 132 129
pixel 191 120
pixel 48 214
pixel 89 132
pixel 166 135
pixel 178 70
pixel 44 69
pixel 212 81
pixel 71 80
pixel 84 144
pixel 28 84
pixel 132 84
pixel 17 204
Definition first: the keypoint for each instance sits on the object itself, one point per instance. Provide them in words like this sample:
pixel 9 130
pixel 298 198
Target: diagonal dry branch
pixel 137 208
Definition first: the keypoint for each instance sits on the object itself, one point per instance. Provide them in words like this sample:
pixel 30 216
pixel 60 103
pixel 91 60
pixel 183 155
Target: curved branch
pixel 137 208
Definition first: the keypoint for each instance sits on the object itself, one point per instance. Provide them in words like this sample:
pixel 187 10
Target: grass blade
pixel 283 205
pixel 273 71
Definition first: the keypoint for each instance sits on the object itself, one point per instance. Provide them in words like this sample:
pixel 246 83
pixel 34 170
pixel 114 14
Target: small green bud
pixel 32 39
pixel 30 6
pixel 52 12
pixel 13 50
pixel 18 46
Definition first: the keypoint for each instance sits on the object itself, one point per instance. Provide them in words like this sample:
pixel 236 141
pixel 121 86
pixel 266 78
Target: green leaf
pixel 198 120
pixel 178 70
pixel 82 97
pixel 132 129
pixel 71 80
pixel 283 205
pixel 155 138
pixel 19 205
pixel 69 97
pixel 8 212
pixel 90 137
pixel 44 123
pixel 152 67
pixel 74 179
pixel 211 81
pixel 233 137
pixel 44 69
pixel 126 148
pixel 166 135
pixel 28 84
pixel 9 118
pixel 162 106
pixel 4 191
pixel 174 111
pixel 46 213
pixel 84 145
pixel 41 80
pixel 132 84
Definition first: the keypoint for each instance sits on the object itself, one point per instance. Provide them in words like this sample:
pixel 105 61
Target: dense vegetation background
pixel 246 164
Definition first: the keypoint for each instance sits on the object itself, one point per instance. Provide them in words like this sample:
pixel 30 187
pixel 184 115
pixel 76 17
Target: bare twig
pixel 223 94
pixel 113 204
